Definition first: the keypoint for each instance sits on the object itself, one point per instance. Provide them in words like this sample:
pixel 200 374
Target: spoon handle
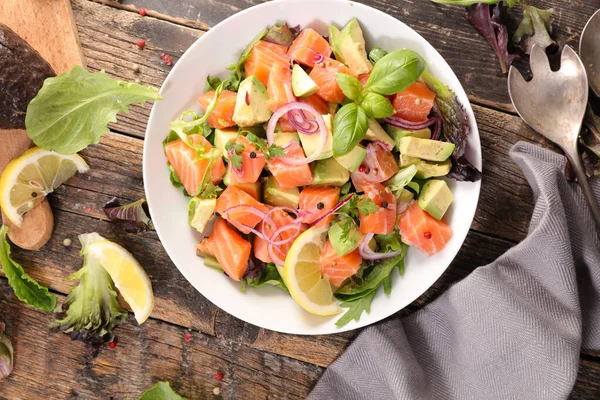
pixel 585 186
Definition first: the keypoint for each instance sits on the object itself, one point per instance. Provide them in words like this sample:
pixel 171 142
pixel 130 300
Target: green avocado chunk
pixel 329 172
pixel 251 103
pixel 302 84
pixel 345 245
pixel 352 160
pixel 275 196
pixel 376 132
pixel 425 149
pixel 282 138
pixel 435 198
pixel 311 142
pixel 200 212
pixel 426 169
pixel 398 133
pixel 223 136
pixel 349 47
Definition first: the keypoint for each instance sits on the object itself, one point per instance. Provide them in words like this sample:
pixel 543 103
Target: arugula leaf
pixel 376 106
pixel 535 29
pixel 372 280
pixel 27 289
pixel 72 110
pixel 395 72
pixel 349 128
pixel 161 391
pixel 267 276
pixel 376 54
pixel 356 308
pixel 237 74
pixel 387 285
pixel 351 87
pixel 212 83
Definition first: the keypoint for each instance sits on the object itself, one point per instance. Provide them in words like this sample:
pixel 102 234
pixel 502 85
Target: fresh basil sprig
pixel 395 72
pixel 376 54
pixel 350 125
pixel 351 87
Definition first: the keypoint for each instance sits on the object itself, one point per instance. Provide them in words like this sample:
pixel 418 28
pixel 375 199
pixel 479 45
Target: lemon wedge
pixel 27 179
pixel 302 274
pixel 127 274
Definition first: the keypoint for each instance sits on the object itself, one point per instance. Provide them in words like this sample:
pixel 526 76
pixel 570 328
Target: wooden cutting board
pixel 48 26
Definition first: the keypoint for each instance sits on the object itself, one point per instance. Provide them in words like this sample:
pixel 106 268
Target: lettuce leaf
pixel 161 391
pixel 27 289
pixel 535 29
pixel 132 217
pixel 72 110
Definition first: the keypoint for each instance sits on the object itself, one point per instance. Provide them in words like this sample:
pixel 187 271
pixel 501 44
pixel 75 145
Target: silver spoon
pixel 554 104
pixel 589 49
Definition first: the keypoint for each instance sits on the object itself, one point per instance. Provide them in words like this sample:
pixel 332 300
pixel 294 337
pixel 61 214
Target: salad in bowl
pixel 317 163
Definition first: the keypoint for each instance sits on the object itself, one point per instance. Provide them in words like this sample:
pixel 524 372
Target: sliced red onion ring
pixel 282 229
pixel 413 126
pixel 385 146
pixel 281 111
pixel 303 124
pixel 252 210
pixel 274 257
pixel 334 209
pixel 367 254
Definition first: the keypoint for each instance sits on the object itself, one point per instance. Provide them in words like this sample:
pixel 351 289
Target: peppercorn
pixel 384 204
pixel 219 376
pixel 320 205
pixel 141 44
pixel 427 235
pixel 252 154
pixel 142 12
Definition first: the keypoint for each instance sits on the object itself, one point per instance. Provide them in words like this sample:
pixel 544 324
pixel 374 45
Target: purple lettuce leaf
pixel 590 139
pixel 487 19
pixel 132 218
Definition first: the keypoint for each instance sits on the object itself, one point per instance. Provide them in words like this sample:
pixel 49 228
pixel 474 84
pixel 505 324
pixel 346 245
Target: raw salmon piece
pixel 239 217
pixel 316 102
pixel 251 167
pixel 308 47
pixel 337 269
pixel 291 176
pixel 382 221
pixel 379 165
pixel 279 87
pixel 414 104
pixel 316 201
pixel 281 218
pixel 191 169
pixel 324 76
pixel 205 248
pixel 253 189
pixel 422 231
pixel 263 57
pixel 222 115
pixel 229 248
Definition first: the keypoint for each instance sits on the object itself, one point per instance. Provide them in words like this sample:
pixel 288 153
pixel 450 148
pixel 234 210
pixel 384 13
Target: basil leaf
pixel 395 72
pixel 72 110
pixel 351 86
pixel 376 54
pixel 350 125
pixel 376 106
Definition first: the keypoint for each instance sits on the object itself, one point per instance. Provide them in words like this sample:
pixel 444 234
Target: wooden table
pixel 256 363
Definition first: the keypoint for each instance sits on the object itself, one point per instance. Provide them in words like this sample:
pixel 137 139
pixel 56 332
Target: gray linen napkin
pixel 510 330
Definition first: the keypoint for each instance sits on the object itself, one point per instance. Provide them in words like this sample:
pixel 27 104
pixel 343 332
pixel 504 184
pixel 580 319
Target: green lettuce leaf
pixel 72 110
pixel 535 29
pixel 356 308
pixel 27 289
pixel 161 391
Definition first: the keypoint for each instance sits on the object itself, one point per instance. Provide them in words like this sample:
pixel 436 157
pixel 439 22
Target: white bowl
pixel 269 307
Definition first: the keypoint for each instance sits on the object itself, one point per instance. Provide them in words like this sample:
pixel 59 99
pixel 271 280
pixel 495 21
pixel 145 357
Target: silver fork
pixel 553 103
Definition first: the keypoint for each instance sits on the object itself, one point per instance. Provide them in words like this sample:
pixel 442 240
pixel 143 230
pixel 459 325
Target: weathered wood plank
pixel 51 366
pixel 443 26
pixel 587 386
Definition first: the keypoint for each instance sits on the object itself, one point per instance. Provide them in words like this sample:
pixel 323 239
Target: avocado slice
pixel 311 142
pixel 275 196
pixel 425 149
pixel 349 244
pixel 405 196
pixel 435 198
pixel 349 47
pixel 352 160
pixel 223 136
pixel 376 132
pixel 200 212
pixel 282 138
pixel 329 172
pixel 426 169
pixel 302 84
pixel 398 133
pixel 251 103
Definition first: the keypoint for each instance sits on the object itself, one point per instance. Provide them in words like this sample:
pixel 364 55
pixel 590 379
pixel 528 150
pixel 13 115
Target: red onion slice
pixel 302 124
pixel 318 58
pixel 367 254
pixel 280 112
pixel 413 126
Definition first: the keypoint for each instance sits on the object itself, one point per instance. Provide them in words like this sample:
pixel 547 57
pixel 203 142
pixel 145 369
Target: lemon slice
pixel 29 178
pixel 127 274
pixel 302 274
